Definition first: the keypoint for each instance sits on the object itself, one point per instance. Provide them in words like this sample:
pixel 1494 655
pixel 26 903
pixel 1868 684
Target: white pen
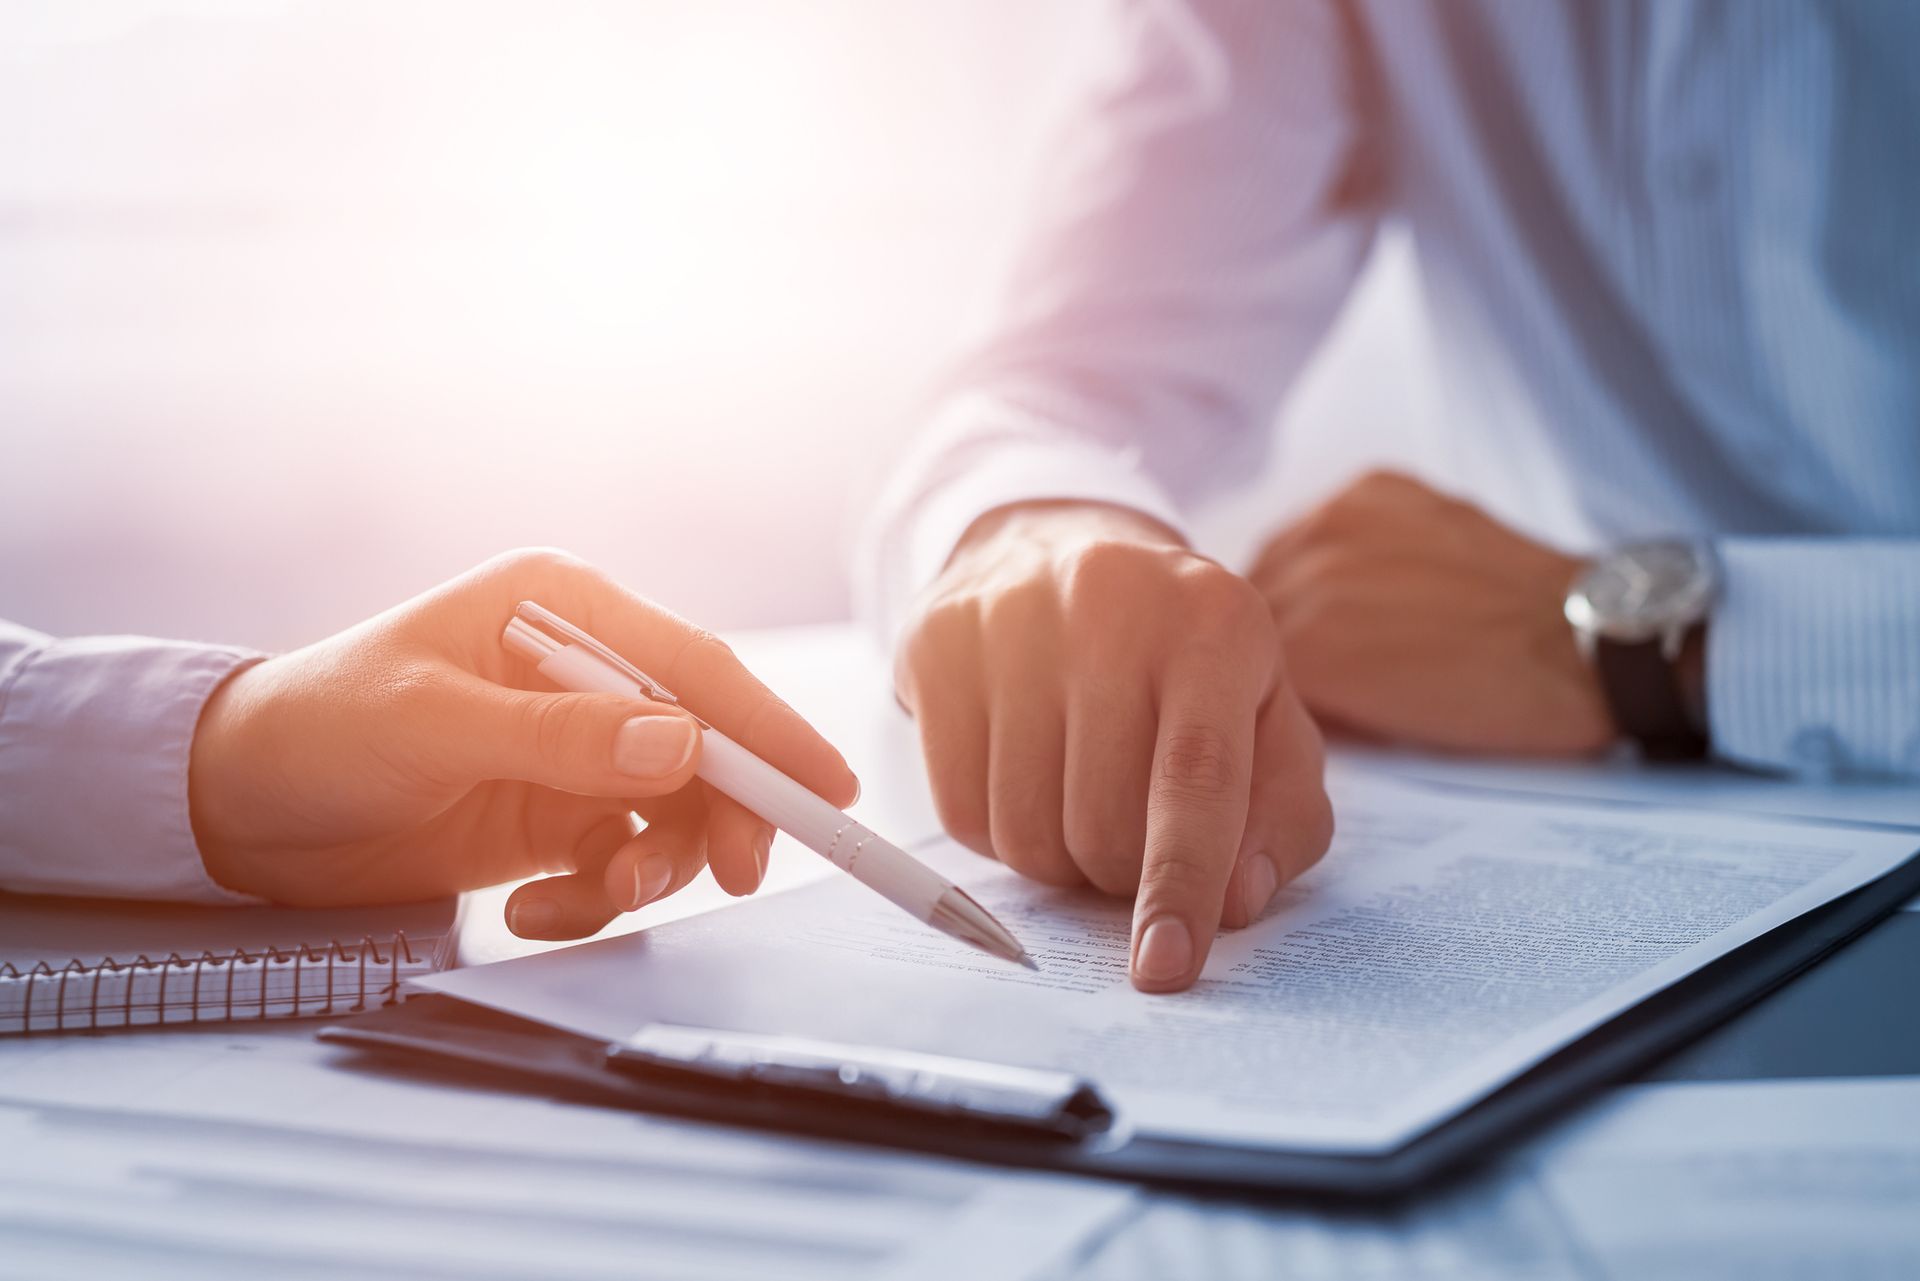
pixel 572 659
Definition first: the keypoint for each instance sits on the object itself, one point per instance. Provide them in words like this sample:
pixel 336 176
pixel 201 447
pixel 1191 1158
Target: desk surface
pixel 1852 1016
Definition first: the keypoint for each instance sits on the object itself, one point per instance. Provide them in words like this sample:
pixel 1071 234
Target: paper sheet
pixel 268 1161
pixel 1746 1181
pixel 1703 785
pixel 1448 942
pixel 214 1153
pixel 1754 1181
pixel 1499 1228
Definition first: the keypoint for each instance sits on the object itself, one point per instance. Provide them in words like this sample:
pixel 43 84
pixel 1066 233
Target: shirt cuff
pixel 989 455
pixel 1813 655
pixel 95 738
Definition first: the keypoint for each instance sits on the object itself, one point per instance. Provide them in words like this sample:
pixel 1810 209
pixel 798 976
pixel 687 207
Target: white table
pixel 241 1107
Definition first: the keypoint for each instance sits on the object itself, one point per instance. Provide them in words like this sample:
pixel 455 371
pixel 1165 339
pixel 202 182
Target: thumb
pixel 591 744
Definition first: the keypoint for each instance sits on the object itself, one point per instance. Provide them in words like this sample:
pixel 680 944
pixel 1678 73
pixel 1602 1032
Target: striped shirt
pixel 1672 247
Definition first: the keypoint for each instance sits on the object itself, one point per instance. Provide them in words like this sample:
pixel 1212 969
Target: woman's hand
pixel 411 756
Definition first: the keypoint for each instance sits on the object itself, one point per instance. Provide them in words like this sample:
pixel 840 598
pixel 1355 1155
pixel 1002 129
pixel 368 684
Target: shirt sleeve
pixel 95 735
pixel 1813 655
pixel 1192 241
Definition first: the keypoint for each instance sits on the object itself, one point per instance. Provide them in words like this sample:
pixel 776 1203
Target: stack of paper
pixel 1449 941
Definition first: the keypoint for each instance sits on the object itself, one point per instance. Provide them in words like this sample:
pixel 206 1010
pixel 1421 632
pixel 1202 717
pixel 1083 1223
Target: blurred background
pixel 306 307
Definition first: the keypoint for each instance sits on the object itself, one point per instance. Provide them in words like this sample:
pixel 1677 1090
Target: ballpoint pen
pixel 573 660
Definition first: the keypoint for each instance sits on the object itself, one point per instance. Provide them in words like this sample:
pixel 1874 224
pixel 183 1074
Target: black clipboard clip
pixel 932 1086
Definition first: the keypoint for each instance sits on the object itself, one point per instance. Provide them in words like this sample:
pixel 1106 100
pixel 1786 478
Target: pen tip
pixel 1029 962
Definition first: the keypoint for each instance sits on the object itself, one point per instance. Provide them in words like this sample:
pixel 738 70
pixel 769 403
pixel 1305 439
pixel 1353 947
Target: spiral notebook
pixel 71 964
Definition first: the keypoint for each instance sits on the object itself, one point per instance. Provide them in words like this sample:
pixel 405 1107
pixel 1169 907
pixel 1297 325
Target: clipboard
pixel 1054 1121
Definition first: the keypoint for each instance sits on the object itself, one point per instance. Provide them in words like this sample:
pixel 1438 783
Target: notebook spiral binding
pixel 202 989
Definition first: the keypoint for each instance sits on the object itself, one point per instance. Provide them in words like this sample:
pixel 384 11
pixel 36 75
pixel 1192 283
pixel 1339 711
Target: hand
pixel 1409 616
pixel 408 757
pixel 1098 703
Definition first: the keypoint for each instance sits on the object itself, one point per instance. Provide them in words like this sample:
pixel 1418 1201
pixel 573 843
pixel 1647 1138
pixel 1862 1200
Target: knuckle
pixel 1117 879
pixel 1085 836
pixel 1015 610
pixel 1324 526
pixel 1383 482
pixel 919 649
pixel 932 647
pixel 1090 838
pixel 763 707
pixel 1196 765
pixel 1025 839
pixel 1111 873
pixel 1103 572
pixel 1221 602
pixel 964 818
pixel 1039 862
pixel 1374 478
pixel 1176 870
pixel 553 724
pixel 540 562
pixel 1321 829
pixel 1311 835
pixel 942 625
pixel 701 652
pixel 1021 824
pixel 1325 569
pixel 1105 854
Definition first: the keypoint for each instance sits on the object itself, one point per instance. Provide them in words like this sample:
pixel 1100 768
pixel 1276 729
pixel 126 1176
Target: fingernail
pixel 1258 880
pixel 653 746
pixel 650 879
pixel 762 846
pixel 1166 951
pixel 535 918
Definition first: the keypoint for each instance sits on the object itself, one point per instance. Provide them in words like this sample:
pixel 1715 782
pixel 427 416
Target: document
pixel 207 1153
pixel 1748 1181
pixel 1742 1181
pixel 1448 941
pixel 1484 1228
pixel 1703 785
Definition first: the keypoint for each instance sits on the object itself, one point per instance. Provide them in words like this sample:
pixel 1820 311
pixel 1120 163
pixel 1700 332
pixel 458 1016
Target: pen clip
pixel 538 615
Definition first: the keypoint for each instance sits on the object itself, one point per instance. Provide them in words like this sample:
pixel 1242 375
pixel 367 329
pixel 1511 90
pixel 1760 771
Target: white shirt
pixel 1672 241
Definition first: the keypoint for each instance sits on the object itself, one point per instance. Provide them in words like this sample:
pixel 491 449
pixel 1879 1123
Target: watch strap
pixel 1643 692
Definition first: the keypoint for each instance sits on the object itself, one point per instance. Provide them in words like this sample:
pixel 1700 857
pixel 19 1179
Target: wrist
pixel 1690 673
pixel 1640 615
pixel 214 785
pixel 1590 725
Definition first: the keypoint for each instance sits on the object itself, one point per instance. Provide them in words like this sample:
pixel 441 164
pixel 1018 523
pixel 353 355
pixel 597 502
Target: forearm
pixel 1188 250
pixel 1812 660
pixel 95 736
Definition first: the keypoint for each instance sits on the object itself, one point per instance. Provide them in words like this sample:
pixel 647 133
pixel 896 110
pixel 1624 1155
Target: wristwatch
pixel 1633 611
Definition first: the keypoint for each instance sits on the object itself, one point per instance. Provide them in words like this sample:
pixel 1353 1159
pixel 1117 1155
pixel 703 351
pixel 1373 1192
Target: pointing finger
pixel 1196 814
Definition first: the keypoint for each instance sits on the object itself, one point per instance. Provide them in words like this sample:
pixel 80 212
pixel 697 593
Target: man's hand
pixel 411 756
pixel 1098 703
pixel 1406 615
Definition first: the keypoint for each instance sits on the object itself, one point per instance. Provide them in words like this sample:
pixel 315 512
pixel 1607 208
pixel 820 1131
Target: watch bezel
pixel 1668 622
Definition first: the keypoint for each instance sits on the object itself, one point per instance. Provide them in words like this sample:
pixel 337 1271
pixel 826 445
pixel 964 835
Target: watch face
pixel 1641 592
